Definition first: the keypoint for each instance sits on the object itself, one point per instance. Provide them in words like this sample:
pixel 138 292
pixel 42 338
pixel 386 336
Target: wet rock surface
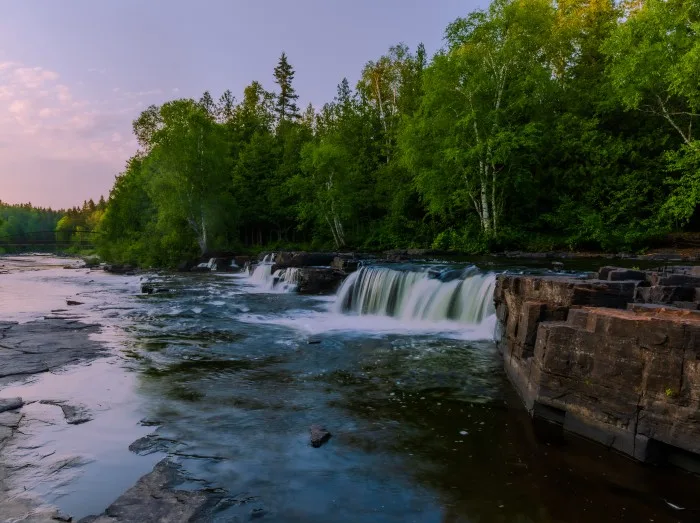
pixel 74 414
pixel 156 498
pixel 10 404
pixel 40 346
pixel 319 435
pixel 318 280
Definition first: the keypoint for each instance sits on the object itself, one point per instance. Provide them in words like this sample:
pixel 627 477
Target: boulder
pixel 318 280
pixel 319 435
pixel 345 263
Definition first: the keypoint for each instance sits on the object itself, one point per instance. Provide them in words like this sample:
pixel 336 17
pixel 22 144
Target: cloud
pixel 44 122
pixel 32 77
pixel 142 94
pixel 18 106
pixel 98 71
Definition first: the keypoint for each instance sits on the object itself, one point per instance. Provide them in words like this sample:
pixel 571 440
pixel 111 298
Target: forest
pixel 25 227
pixel 540 125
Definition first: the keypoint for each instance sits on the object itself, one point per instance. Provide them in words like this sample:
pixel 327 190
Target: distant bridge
pixel 49 239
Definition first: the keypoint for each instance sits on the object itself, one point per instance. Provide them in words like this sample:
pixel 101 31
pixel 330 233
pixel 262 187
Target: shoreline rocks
pixel 154 497
pixel 597 358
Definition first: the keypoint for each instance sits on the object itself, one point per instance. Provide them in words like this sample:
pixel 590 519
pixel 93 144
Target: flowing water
pixel 229 371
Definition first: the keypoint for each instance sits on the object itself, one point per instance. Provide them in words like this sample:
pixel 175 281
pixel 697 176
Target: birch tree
pixel 187 163
pixel 476 95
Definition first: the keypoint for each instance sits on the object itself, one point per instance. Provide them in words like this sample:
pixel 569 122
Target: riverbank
pixel 57 388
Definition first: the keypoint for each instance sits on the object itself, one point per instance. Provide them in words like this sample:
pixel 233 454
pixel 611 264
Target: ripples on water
pixel 425 425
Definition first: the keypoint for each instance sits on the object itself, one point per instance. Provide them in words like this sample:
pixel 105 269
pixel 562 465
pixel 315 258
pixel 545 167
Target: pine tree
pixel 226 106
pixel 207 103
pixel 286 106
pixel 344 92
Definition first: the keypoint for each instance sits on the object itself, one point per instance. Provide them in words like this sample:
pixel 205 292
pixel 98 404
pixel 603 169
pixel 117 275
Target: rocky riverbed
pixel 214 399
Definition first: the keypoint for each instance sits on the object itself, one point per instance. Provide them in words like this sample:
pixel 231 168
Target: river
pixel 224 374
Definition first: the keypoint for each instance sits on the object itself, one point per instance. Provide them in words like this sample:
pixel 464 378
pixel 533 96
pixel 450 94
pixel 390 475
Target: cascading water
pixel 263 272
pixel 284 280
pixel 465 297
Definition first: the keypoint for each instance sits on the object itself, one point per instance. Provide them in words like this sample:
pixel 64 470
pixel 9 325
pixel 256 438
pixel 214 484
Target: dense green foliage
pixel 24 227
pixel 541 124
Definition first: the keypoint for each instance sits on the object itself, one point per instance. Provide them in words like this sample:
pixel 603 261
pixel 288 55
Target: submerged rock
pixel 149 288
pixel 154 498
pixel 319 435
pixel 74 414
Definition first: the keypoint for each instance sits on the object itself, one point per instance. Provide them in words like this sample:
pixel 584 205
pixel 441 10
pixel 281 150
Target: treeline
pixel 540 125
pixel 24 226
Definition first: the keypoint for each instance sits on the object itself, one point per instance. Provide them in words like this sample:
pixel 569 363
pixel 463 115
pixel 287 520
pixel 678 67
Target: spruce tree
pixel 286 107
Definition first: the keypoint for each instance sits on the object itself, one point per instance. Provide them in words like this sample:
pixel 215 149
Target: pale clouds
pixel 50 132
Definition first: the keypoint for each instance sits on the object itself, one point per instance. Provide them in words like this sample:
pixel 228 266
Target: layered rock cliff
pixel 598 358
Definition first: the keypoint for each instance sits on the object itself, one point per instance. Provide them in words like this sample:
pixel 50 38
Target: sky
pixel 74 74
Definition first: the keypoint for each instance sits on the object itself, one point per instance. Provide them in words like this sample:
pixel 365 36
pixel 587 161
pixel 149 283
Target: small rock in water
pixel 314 341
pixel 319 435
pixel 74 414
pixel 257 513
pixel 60 516
pixel 10 404
pixel 73 302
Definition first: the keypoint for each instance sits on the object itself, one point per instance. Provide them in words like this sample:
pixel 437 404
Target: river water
pixel 226 373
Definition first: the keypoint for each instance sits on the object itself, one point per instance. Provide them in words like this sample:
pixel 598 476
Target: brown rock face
pixel 318 280
pixel 626 377
pixel 522 302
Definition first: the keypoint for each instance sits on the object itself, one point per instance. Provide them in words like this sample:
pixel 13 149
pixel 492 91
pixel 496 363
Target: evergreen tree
pixel 207 103
pixel 286 106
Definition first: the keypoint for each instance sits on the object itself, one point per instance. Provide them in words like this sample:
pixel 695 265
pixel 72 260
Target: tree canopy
pixel 539 125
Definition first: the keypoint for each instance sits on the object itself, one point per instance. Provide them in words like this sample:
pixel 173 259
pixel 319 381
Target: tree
pixel 654 59
pixel 476 106
pixel 187 163
pixel 285 106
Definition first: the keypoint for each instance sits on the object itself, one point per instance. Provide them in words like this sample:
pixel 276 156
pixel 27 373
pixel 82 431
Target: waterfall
pixel 429 295
pixel 263 272
pixel 284 280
